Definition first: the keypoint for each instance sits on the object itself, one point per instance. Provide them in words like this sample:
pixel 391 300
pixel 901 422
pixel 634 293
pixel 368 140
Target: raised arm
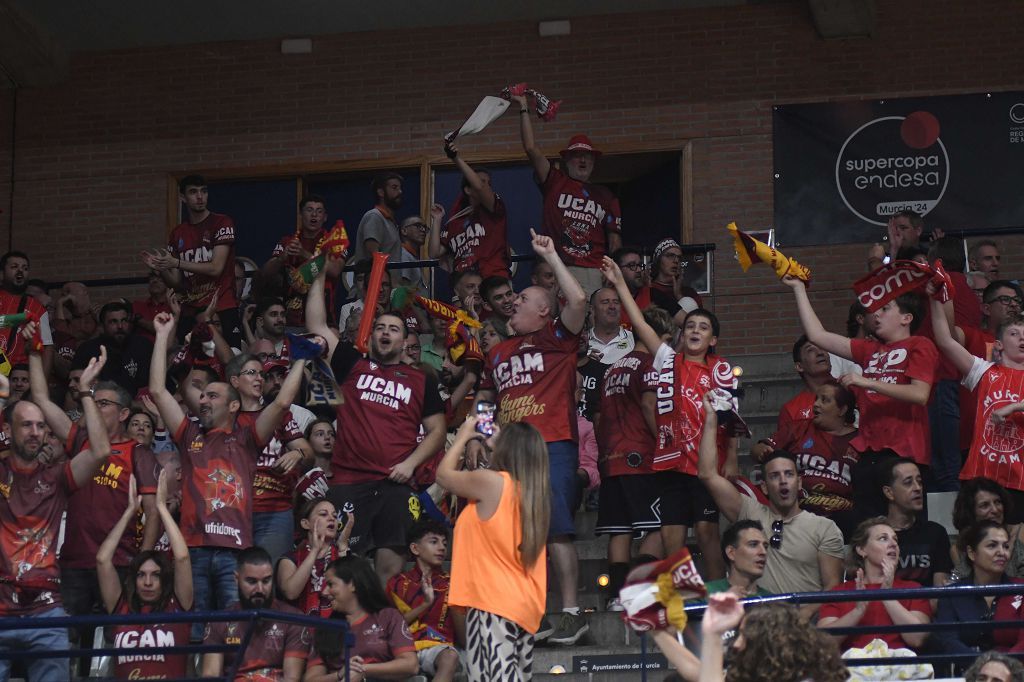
pixel 541 165
pixel 170 410
pixel 106 575
pixel 183 590
pixel 641 329
pixel 948 346
pixel 478 189
pixel 574 313
pixel 725 494
pixel 816 333
pixel 270 416
pixel 434 247
pixel 482 485
pixel 316 312
pixel 85 464
pixel 56 418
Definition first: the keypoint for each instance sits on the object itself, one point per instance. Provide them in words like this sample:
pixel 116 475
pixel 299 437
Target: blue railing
pixel 250 618
pixel 900 593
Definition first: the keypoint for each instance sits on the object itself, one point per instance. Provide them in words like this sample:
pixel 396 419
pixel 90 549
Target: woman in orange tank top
pixel 499 561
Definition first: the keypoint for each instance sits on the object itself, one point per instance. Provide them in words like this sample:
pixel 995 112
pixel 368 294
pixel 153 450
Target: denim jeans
pixel 41 669
pixel 213 581
pixel 274 532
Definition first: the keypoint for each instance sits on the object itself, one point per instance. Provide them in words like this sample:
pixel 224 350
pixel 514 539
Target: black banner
pixel 843 168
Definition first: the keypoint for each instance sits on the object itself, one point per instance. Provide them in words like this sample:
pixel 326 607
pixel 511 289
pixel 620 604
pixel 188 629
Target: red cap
pixel 272 363
pixel 580 143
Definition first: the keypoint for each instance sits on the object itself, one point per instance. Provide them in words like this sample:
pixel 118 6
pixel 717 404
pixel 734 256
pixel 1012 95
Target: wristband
pixel 524 111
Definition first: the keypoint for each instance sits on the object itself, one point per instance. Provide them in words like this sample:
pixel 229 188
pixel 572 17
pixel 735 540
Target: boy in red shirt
pixel 421 596
pixel 893 391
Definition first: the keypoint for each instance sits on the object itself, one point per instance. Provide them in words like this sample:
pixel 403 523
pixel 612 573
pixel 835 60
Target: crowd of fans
pixel 225 444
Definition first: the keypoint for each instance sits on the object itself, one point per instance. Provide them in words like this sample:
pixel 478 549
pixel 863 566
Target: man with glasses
pixel 413 232
pixel 95 507
pixel 805 552
pixel 293 251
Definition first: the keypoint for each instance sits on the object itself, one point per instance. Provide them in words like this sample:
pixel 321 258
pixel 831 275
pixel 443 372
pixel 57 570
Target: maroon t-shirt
pixel 825 463
pixel 33 501
pixel 96 507
pixel 217 472
pixel 295 299
pixel 272 489
pixel 271 643
pixel 379 422
pixel 622 428
pixel 194 244
pixel 147 309
pixel 535 376
pixel 148 664
pixel 576 216
pixel 380 637
pixel 479 240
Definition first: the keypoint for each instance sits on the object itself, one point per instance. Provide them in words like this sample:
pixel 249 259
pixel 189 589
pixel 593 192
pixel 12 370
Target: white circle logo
pixel 1017 112
pixel 892 164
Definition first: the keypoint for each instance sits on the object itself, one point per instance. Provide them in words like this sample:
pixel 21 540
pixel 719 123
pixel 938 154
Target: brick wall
pixel 93 154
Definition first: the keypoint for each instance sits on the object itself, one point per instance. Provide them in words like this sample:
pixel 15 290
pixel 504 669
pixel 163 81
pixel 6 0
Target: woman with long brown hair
pixel 499 557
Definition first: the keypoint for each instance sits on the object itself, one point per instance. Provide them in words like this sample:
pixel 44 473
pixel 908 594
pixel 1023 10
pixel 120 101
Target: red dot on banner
pixel 919 130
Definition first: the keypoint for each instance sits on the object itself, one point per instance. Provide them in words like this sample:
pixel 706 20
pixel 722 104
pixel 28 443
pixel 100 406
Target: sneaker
pixel 545 631
pixel 614 604
pixel 570 629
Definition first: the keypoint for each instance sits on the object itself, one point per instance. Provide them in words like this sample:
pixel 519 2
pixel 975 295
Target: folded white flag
pixel 489 110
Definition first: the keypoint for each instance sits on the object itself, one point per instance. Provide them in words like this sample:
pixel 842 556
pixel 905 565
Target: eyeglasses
pixel 776 539
pixel 250 372
pixel 103 402
pixel 418 226
pixel 631 266
pixel 414 347
pixel 1007 300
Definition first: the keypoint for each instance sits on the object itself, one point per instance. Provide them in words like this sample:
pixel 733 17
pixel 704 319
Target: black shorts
pixel 384 511
pixel 685 501
pixel 628 504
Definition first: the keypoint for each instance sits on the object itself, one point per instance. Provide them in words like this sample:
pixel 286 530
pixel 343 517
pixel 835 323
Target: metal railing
pixel 899 593
pixel 250 618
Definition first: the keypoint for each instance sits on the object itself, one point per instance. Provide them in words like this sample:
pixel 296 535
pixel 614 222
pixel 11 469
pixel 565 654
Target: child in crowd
pixel 892 393
pixel 421 596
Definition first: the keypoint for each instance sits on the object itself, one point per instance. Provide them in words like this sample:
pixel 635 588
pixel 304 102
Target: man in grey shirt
pixel 805 552
pixel 378 230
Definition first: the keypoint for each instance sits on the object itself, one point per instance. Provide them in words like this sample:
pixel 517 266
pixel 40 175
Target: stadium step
pixel 610 660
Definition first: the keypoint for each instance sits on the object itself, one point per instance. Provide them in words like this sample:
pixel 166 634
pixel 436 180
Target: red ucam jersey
pixel 997 448
pixel 680 408
pixel 886 422
pixel 32 501
pixel 273 490
pixel 195 244
pixel 295 299
pixel 97 506
pixel 793 418
pixel 142 657
pixel 577 216
pixel 380 418
pixel 478 239
pixel 269 645
pixel 625 444
pixel 218 468
pixel 535 377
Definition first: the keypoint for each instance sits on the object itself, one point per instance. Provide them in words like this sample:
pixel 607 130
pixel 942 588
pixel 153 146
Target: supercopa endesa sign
pixel 892 164
pixel 842 169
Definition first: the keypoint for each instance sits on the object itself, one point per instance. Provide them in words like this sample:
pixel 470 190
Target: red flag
pixel 891 281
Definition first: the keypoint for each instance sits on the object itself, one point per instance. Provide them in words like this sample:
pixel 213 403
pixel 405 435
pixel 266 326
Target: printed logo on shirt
pixel 29 546
pixel 274 638
pixel 383 391
pixel 887 363
pixel 517 371
pixel 1001 443
pixel 223 488
pixel 109 475
pixel 147 639
pixel 463 244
